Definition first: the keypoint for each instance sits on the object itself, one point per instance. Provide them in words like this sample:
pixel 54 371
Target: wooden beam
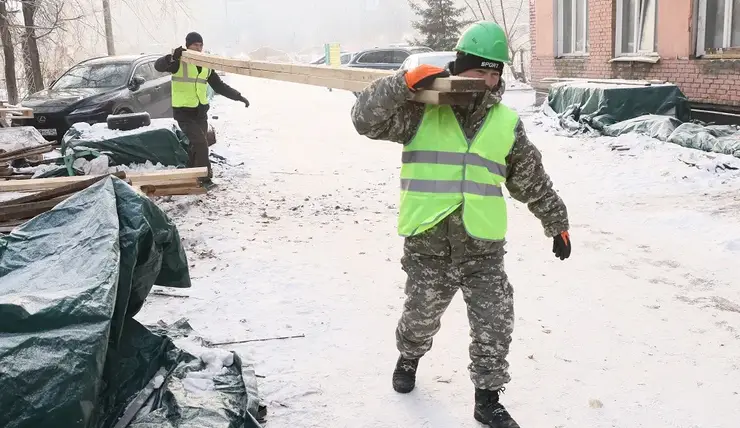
pixel 60 191
pixel 174 189
pixel 447 84
pixel 173 176
pixel 30 209
pixel 27 151
pixel 346 78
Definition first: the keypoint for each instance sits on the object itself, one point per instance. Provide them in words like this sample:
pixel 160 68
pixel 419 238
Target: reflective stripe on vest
pixel 442 170
pixel 190 88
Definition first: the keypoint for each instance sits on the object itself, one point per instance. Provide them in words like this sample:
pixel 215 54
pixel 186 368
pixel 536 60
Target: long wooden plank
pixel 27 151
pixel 448 84
pixel 426 96
pixel 29 210
pixel 173 190
pixel 169 174
pixel 137 178
pixel 60 191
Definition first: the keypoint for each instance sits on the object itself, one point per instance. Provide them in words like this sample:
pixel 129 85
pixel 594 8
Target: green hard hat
pixel 485 39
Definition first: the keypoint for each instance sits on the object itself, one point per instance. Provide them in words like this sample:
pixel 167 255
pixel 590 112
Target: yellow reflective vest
pixel 442 170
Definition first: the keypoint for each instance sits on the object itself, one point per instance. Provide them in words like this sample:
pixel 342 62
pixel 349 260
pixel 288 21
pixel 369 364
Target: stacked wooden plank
pixel 449 90
pixel 30 153
pixel 8 111
pixel 48 192
pixel 159 182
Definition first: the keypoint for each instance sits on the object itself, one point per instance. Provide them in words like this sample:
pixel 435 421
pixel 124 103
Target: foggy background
pixel 235 27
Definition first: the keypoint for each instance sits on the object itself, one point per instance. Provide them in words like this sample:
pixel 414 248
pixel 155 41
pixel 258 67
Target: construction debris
pixel 449 90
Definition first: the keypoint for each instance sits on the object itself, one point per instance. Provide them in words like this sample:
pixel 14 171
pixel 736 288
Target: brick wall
pixel 702 80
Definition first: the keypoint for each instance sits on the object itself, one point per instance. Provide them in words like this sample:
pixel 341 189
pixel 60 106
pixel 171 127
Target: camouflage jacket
pixel 383 112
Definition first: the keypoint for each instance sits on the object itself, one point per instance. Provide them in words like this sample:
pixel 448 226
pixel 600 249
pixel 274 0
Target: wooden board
pixel 448 84
pixel 29 209
pixel 192 188
pixel 60 191
pixel 175 176
pixel 15 111
pixel 350 79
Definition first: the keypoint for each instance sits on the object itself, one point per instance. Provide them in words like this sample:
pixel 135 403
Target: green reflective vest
pixel 443 170
pixel 190 88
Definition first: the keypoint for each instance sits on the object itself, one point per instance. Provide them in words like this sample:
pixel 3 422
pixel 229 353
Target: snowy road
pixel 644 318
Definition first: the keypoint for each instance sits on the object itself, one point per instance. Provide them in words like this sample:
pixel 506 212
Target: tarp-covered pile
pixel 660 111
pixel 71 354
pixel 161 142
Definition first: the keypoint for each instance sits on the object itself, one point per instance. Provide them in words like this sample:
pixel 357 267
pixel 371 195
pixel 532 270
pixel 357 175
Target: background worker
pixel 190 99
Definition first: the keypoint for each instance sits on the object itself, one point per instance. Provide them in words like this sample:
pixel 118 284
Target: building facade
pixel 692 43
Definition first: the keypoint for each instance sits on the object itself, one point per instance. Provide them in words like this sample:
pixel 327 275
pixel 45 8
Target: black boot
pixel 404 376
pixel 490 412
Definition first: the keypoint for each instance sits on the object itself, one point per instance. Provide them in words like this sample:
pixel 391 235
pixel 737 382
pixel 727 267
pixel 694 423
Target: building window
pixel 572 27
pixel 718 26
pixel 636 23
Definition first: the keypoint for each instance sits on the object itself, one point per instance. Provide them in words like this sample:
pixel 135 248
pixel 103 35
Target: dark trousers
pixel 196 129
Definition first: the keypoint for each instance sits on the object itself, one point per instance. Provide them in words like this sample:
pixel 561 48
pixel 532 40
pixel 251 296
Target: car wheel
pixel 128 121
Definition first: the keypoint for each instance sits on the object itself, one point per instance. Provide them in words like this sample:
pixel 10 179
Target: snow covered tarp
pixel 598 105
pixel 161 142
pixel 71 280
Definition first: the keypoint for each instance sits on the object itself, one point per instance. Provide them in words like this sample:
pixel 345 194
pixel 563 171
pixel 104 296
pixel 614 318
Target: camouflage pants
pixel 437 263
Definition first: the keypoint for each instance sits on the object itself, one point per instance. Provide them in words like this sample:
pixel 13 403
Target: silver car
pixel 438 59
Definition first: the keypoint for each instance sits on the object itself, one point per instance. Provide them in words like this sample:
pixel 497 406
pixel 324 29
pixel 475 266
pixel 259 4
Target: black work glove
pixel 177 53
pixel 561 245
pixel 245 101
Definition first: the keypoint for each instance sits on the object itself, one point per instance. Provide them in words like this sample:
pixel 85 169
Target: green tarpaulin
pixel 658 111
pixel 598 105
pixel 161 142
pixel 71 355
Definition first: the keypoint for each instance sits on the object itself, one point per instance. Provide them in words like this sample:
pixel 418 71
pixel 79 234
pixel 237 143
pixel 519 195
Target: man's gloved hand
pixel 177 53
pixel 561 245
pixel 245 101
pixel 423 76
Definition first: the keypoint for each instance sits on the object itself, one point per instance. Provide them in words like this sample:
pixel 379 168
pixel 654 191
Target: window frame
pixel 559 29
pixel 701 31
pixel 619 31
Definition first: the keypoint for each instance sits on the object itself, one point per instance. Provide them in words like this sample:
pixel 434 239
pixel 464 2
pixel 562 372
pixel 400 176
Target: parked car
pixel 95 88
pixel 438 59
pixel 385 58
pixel 344 58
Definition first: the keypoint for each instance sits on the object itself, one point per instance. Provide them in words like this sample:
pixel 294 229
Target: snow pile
pixel 141 167
pixel 101 132
pixel 215 360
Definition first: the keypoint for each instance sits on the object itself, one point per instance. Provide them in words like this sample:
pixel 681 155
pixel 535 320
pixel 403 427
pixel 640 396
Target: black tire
pixel 128 121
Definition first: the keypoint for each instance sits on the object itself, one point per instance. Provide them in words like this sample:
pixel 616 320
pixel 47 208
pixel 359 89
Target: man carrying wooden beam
pixel 190 100
pixel 456 160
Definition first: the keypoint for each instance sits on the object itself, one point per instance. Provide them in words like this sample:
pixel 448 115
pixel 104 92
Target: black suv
pixel 384 58
pixel 95 88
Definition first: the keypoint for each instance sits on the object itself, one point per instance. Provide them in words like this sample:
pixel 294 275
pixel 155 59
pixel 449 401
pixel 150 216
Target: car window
pixel 421 50
pixel 345 58
pixel 107 75
pixel 146 70
pixel 158 74
pixel 376 57
pixel 399 56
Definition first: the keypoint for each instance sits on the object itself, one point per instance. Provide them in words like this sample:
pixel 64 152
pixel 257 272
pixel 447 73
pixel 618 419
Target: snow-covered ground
pixel 639 328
